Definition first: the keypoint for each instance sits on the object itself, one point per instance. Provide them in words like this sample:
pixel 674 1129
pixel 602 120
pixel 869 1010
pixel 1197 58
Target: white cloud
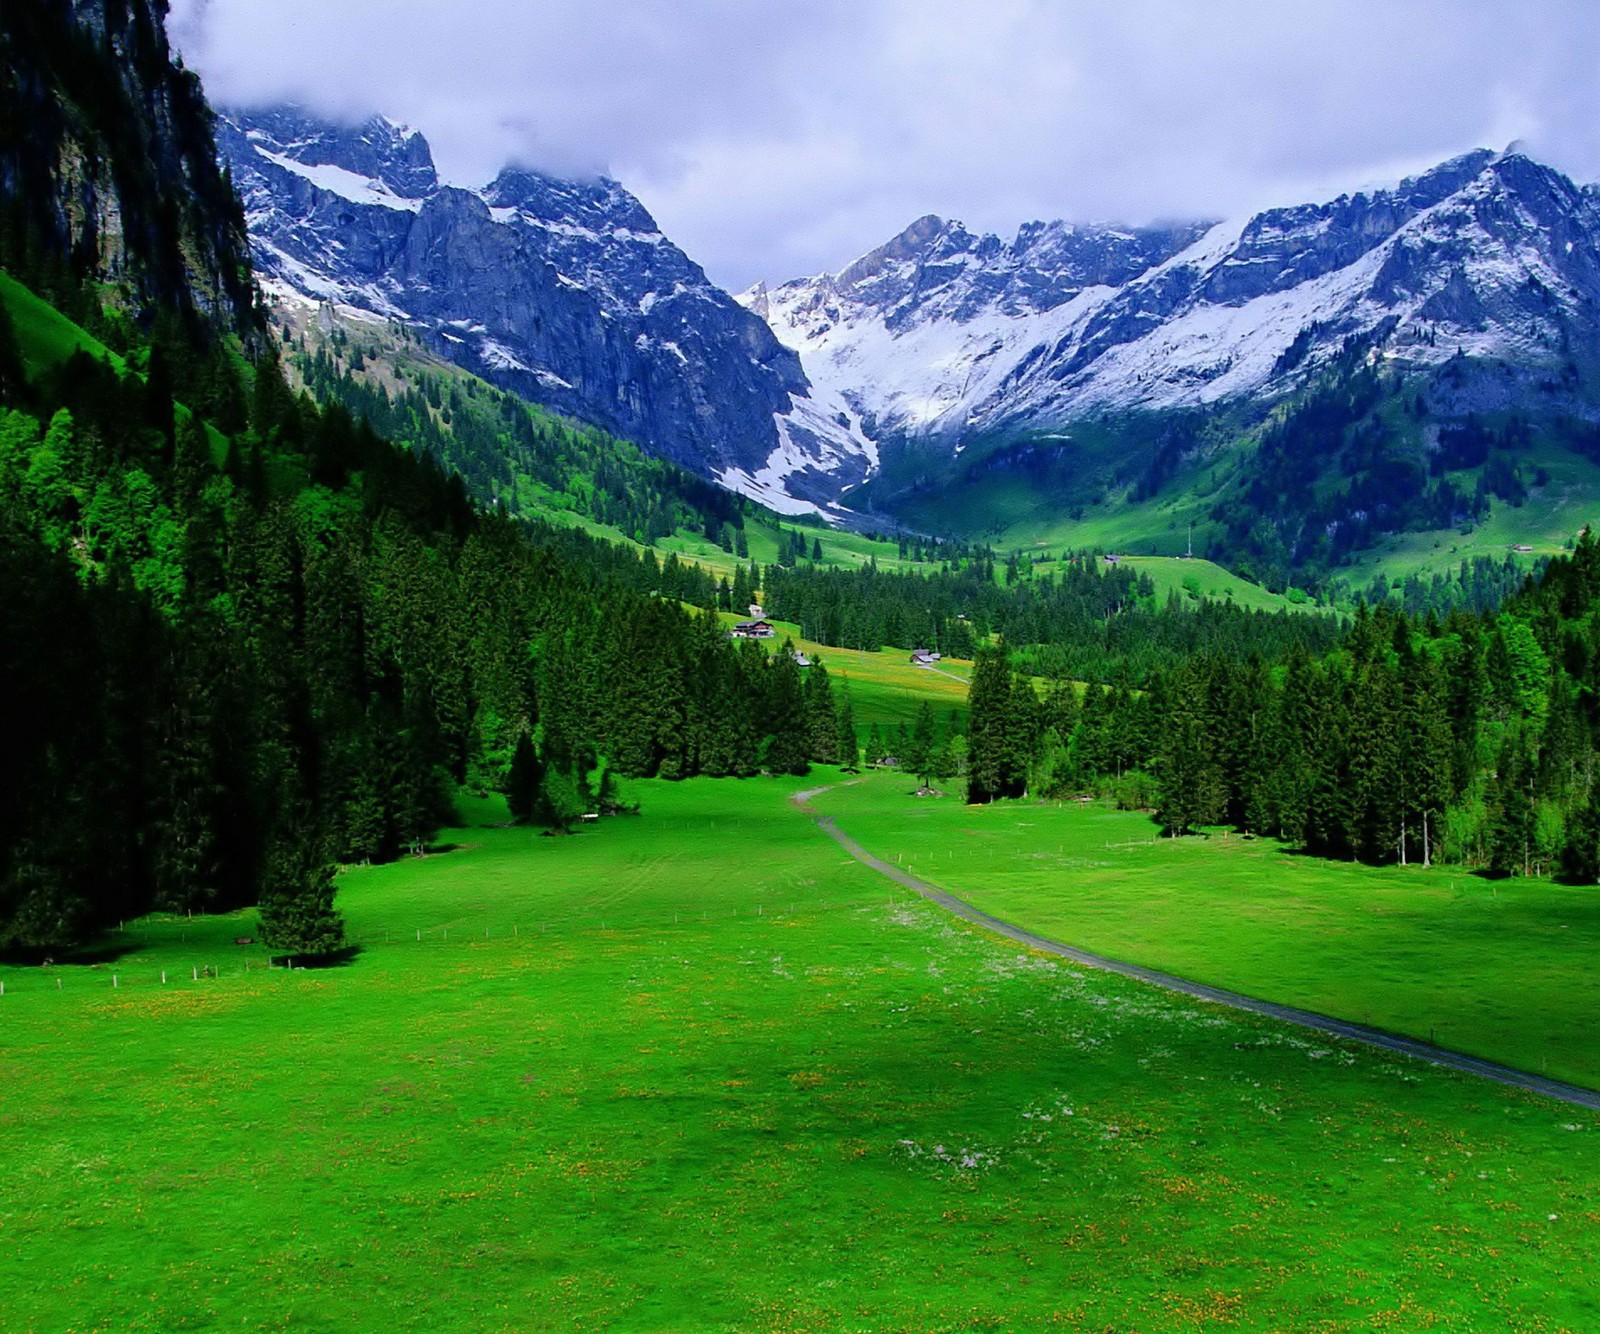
pixel 773 138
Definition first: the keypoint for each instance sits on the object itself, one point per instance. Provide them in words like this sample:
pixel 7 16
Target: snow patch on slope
pixel 344 183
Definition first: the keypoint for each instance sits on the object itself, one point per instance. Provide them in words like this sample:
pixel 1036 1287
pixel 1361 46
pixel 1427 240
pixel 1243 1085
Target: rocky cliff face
pixel 941 336
pixel 108 171
pixel 565 292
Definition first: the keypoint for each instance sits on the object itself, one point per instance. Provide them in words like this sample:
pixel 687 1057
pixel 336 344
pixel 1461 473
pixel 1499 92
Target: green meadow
pixel 884 687
pixel 697 1070
pixel 1505 970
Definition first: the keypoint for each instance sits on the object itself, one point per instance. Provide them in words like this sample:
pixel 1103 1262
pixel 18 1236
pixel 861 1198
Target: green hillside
pixel 1360 474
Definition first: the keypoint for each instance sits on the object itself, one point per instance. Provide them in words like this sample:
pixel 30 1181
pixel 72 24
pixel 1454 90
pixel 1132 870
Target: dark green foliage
pixel 822 724
pixel 297 913
pixel 847 745
pixel 1580 854
pixel 1089 621
pixel 996 744
pixel 525 781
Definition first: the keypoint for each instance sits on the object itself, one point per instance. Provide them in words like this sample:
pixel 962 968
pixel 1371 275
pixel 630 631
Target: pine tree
pixel 525 781
pixel 298 917
pixel 13 378
pixel 991 750
pixel 786 724
pixel 846 745
pixel 821 723
pixel 918 756
pixel 1580 854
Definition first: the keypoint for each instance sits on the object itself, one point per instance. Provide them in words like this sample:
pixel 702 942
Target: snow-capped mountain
pixel 941 336
pixel 565 292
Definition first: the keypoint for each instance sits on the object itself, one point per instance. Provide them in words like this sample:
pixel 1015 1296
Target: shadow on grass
pixel 105 949
pixel 333 959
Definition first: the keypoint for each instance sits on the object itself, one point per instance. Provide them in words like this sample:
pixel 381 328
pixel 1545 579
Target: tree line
pixel 1088 620
pixel 1473 740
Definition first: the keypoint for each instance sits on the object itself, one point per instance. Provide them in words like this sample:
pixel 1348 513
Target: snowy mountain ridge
pixel 940 336
pixel 568 293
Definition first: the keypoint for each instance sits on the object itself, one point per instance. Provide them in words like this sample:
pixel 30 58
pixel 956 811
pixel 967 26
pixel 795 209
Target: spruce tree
pixel 990 751
pixel 846 746
pixel 298 917
pixel 525 781
pixel 918 757
pixel 1580 854
pixel 821 724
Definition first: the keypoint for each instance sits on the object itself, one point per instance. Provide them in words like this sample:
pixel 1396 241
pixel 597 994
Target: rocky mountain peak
pixel 378 150
pixel 563 291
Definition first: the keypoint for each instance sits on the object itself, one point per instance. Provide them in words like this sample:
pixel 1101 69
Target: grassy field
pixel 698 1070
pixel 1506 970
pixel 884 687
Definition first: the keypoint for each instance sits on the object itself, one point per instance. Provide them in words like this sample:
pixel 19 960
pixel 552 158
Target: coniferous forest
pixel 1472 740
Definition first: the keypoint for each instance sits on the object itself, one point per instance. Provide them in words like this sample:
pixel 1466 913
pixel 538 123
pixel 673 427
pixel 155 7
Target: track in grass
pixel 1323 1023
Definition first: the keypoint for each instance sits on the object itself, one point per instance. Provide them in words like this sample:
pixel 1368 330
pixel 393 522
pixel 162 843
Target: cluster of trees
pixel 1474 740
pixel 1478 585
pixel 925 748
pixel 1088 620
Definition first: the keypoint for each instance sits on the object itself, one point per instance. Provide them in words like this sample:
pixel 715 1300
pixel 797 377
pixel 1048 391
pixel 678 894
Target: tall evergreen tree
pixel 846 745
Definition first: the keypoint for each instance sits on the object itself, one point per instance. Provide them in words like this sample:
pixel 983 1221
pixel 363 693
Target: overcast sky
pixel 774 138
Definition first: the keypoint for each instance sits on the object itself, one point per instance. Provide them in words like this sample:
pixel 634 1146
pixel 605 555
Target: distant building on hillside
pixel 923 657
pixel 800 659
pixel 1113 560
pixel 753 630
pixel 755 611
pixel 1522 547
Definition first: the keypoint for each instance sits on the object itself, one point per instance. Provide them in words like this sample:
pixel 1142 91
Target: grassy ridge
pixel 761 1096
pixel 1501 970
pixel 884 687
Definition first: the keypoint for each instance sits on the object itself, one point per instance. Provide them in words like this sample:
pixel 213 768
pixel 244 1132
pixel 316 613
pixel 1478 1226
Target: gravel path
pixel 1374 1037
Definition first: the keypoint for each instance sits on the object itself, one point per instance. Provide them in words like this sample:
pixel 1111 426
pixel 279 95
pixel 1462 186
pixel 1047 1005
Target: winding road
pixel 1323 1023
